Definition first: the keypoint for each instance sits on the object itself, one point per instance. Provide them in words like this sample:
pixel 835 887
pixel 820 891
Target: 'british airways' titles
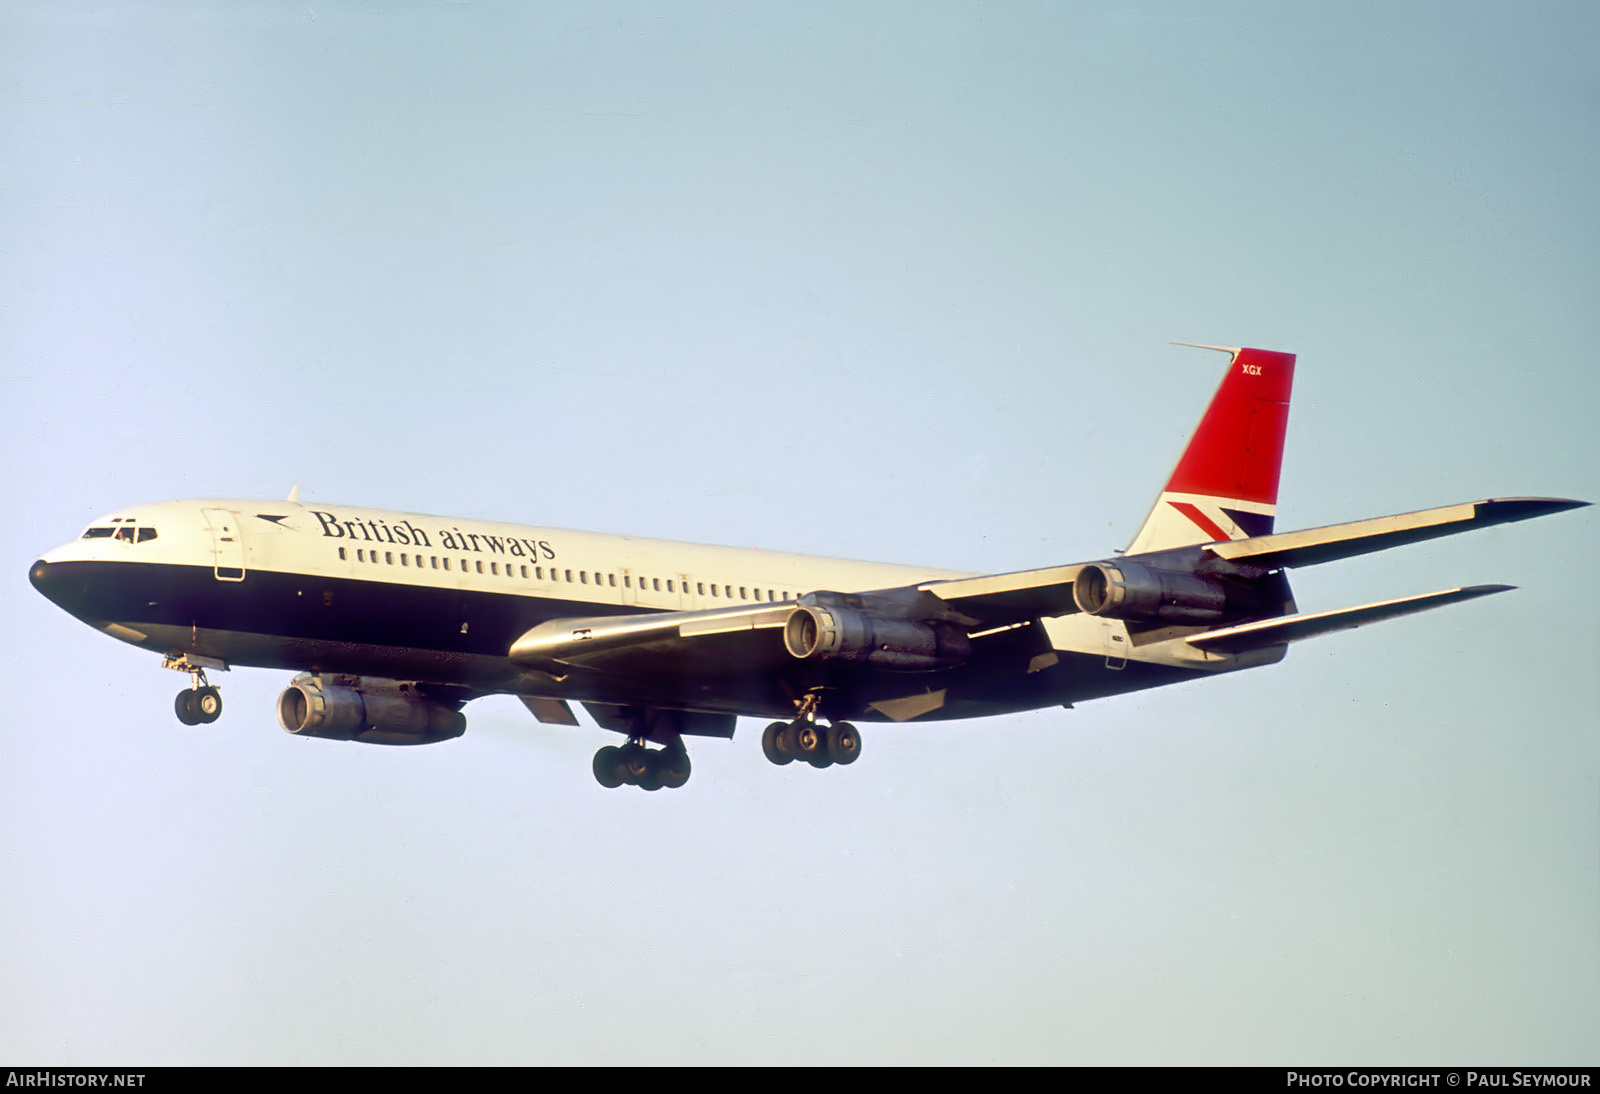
pixel 406 534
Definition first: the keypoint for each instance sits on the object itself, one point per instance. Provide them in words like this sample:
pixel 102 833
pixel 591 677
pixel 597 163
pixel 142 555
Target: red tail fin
pixel 1226 483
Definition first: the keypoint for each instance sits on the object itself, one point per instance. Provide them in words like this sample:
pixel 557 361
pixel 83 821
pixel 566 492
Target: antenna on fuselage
pixel 294 492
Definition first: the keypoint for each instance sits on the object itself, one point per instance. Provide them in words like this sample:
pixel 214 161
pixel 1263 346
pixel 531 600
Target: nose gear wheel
pixel 201 704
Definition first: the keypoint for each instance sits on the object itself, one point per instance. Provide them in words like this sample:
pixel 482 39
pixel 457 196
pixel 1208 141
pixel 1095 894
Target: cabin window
pixel 494 568
pixel 700 587
pixel 480 565
pixel 538 573
pixel 433 561
pixel 405 559
pixel 569 575
pixel 611 579
pixel 361 554
pixel 584 574
pixel 670 589
pixel 388 558
pixel 341 554
pixel 524 570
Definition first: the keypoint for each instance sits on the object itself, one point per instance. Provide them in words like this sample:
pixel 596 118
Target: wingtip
pixel 1508 509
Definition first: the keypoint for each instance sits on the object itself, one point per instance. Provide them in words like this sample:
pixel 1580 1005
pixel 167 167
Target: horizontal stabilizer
pixel 1336 541
pixel 1293 628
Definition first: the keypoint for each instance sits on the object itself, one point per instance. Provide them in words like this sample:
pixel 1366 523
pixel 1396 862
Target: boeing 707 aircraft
pixel 394 621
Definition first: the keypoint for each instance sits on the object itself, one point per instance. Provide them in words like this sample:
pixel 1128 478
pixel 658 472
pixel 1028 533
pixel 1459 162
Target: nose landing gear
pixel 198 706
pixel 201 704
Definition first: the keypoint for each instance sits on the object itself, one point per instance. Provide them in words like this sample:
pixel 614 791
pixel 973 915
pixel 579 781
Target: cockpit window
pixel 124 533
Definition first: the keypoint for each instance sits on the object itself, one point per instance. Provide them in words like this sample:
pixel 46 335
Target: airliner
pixel 394 621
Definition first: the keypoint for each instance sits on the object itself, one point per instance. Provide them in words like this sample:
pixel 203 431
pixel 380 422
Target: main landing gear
pixel 201 704
pixel 646 768
pixel 803 739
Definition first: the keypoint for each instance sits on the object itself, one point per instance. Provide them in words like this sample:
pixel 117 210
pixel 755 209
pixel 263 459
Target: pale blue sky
pixel 888 281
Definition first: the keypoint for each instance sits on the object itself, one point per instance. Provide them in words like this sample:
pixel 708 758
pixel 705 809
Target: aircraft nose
pixel 46 577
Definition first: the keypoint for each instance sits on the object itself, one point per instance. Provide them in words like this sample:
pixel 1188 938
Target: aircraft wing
pixel 999 599
pixel 719 637
pixel 619 642
pixel 719 642
pixel 1359 537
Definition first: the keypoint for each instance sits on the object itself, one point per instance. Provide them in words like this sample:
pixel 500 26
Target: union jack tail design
pixel 1225 486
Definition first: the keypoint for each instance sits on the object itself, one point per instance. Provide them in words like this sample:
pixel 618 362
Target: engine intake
pixel 372 711
pixel 833 632
pixel 1127 590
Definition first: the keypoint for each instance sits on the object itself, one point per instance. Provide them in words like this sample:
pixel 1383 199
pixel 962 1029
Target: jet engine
pixel 1127 590
pixel 827 631
pixel 366 709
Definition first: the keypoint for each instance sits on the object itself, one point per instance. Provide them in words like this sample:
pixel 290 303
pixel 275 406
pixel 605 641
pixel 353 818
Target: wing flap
pixel 1294 628
pixel 551 712
pixel 1336 541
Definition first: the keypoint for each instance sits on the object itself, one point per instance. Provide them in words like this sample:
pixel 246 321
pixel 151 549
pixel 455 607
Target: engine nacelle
pixel 379 712
pixel 829 632
pixel 1127 590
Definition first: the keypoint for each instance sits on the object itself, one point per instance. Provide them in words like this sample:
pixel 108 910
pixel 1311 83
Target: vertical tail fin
pixel 1226 483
